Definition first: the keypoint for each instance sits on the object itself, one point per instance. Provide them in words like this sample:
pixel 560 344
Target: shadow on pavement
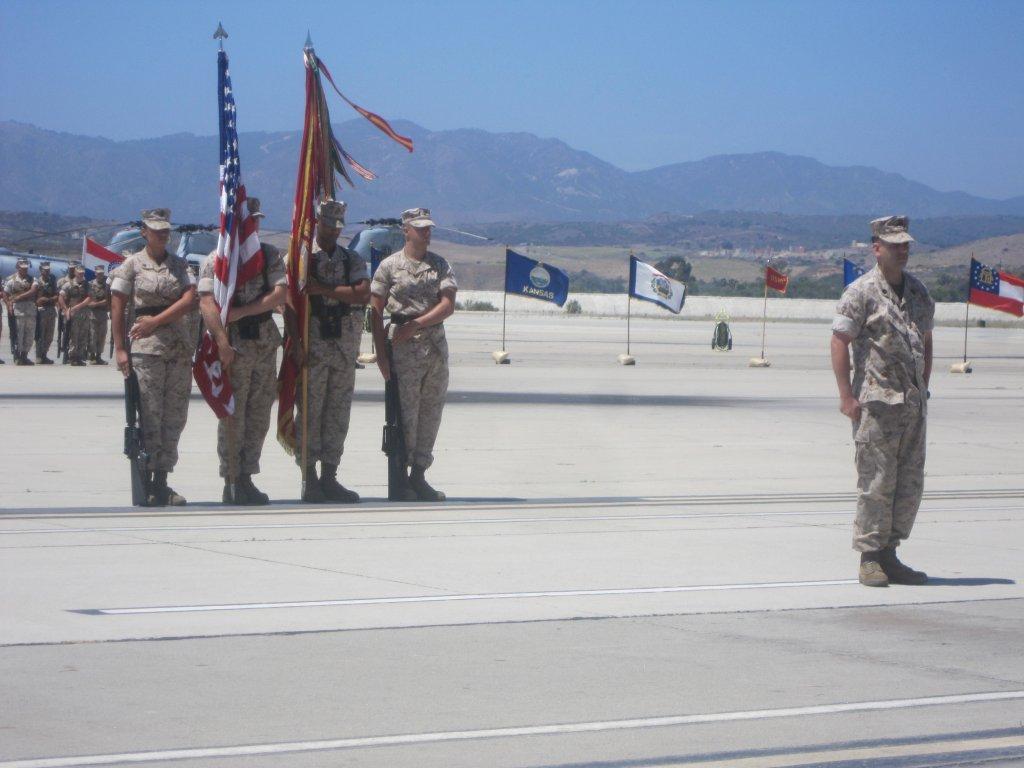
pixel 977 581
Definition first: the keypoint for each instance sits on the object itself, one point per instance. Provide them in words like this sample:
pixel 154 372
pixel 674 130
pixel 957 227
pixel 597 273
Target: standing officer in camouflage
pixel 248 353
pixel 21 293
pixel 336 280
pixel 160 291
pixel 46 312
pixel 417 287
pixel 74 304
pixel 887 317
pixel 99 311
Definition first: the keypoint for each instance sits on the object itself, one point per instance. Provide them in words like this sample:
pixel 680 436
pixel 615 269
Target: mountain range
pixel 464 176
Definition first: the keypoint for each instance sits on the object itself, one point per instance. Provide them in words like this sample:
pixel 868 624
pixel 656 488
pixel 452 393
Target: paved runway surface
pixel 638 568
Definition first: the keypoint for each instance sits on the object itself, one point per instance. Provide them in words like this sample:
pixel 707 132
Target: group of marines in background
pixel 74 309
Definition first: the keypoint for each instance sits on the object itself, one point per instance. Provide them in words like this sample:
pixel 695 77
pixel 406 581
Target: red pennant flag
pixel 775 279
pixel 209 376
pixel 95 255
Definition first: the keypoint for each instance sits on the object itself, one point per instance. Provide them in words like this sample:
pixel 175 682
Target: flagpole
pixel 965 366
pixel 629 307
pixel 764 313
pixel 501 356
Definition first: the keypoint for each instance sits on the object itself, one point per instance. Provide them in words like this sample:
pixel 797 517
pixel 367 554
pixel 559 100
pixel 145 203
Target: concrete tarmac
pixel 637 567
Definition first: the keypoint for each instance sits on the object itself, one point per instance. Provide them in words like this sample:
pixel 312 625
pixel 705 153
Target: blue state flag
pixel 851 272
pixel 526 277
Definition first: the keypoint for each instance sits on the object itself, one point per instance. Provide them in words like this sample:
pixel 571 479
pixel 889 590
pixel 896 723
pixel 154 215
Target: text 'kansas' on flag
pixel 648 284
pixel 996 289
pixel 851 271
pixel 534 279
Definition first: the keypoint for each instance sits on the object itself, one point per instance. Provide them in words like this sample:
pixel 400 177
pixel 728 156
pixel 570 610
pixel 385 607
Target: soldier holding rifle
pixel 99 310
pixel 157 346
pixel 74 305
pixel 417 288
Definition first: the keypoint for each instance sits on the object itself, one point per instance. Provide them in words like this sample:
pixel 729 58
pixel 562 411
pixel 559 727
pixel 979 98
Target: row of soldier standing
pixel 415 286
pixel 36 305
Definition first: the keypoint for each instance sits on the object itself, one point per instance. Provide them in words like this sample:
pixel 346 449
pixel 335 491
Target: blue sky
pixel 931 90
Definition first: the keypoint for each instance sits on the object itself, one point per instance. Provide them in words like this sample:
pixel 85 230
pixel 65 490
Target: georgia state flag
pixel 996 290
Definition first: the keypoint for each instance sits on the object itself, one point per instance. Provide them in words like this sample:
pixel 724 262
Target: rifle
pixel 134 446
pixel 12 329
pixel 60 330
pixel 393 443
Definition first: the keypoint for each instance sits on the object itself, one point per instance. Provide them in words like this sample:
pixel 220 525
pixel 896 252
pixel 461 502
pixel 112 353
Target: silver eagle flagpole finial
pixel 220 34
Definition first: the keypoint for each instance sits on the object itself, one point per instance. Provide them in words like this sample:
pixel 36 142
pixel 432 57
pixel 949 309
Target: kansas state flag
pixel 526 277
pixel 647 283
pixel 851 272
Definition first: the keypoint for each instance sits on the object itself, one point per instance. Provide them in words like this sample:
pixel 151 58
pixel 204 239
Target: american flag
pixel 239 257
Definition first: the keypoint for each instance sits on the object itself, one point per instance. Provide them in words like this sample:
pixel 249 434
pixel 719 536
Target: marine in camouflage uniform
pixel 159 290
pixel 336 280
pixel 417 288
pixel 887 317
pixel 74 299
pixel 249 349
pixel 63 280
pixel 21 291
pixel 46 314
pixel 99 313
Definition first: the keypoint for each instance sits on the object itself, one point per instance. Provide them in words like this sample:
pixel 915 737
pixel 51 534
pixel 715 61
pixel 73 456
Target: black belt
pixel 403 319
pixel 262 317
pixel 150 311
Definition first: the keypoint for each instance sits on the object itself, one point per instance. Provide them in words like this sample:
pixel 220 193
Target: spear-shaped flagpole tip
pixel 309 42
pixel 220 34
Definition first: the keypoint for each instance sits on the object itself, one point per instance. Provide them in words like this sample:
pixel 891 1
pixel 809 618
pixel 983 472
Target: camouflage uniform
pixel 410 288
pixel 331 362
pixel 163 361
pixel 98 317
pixel 888 379
pixel 46 317
pixel 24 312
pixel 77 327
pixel 254 371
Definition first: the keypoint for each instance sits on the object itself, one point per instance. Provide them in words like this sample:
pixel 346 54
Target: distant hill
pixel 465 176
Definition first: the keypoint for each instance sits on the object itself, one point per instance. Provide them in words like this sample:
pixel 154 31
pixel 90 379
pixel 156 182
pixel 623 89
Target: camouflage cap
pixel 77 270
pixel 44 265
pixel 892 229
pixel 253 204
pixel 23 262
pixel 417 217
pixel 157 218
pixel 332 213
pixel 100 269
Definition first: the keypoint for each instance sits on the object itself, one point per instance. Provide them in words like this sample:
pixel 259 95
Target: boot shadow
pixel 978 581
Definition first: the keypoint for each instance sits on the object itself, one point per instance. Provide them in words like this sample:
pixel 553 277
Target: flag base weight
pixel 759 362
pixel 964 367
pixel 366 359
pixel 626 360
pixel 501 357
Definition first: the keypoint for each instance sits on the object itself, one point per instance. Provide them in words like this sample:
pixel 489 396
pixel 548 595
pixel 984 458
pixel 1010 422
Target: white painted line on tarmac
pixel 257 750
pixel 469 521
pixel 461 598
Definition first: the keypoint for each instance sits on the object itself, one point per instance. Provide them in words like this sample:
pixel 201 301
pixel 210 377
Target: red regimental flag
pixel 95 255
pixel 775 279
pixel 377 120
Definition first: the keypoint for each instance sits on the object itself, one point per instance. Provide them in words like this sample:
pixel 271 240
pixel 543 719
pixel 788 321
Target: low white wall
pixel 703 307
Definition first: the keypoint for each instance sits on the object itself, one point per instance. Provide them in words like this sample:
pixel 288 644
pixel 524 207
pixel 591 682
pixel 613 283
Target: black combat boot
pixel 234 493
pixel 45 361
pixel 871 573
pixel 255 496
pixel 152 500
pixel 311 491
pixel 26 361
pixel 333 490
pixel 422 488
pixel 897 572
pixel 166 495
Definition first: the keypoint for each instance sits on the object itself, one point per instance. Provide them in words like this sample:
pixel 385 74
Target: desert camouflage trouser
pixel 254 382
pixel 47 320
pixel 97 335
pixel 26 322
pixel 77 329
pixel 332 379
pixel 165 382
pixel 890 451
pixel 421 364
